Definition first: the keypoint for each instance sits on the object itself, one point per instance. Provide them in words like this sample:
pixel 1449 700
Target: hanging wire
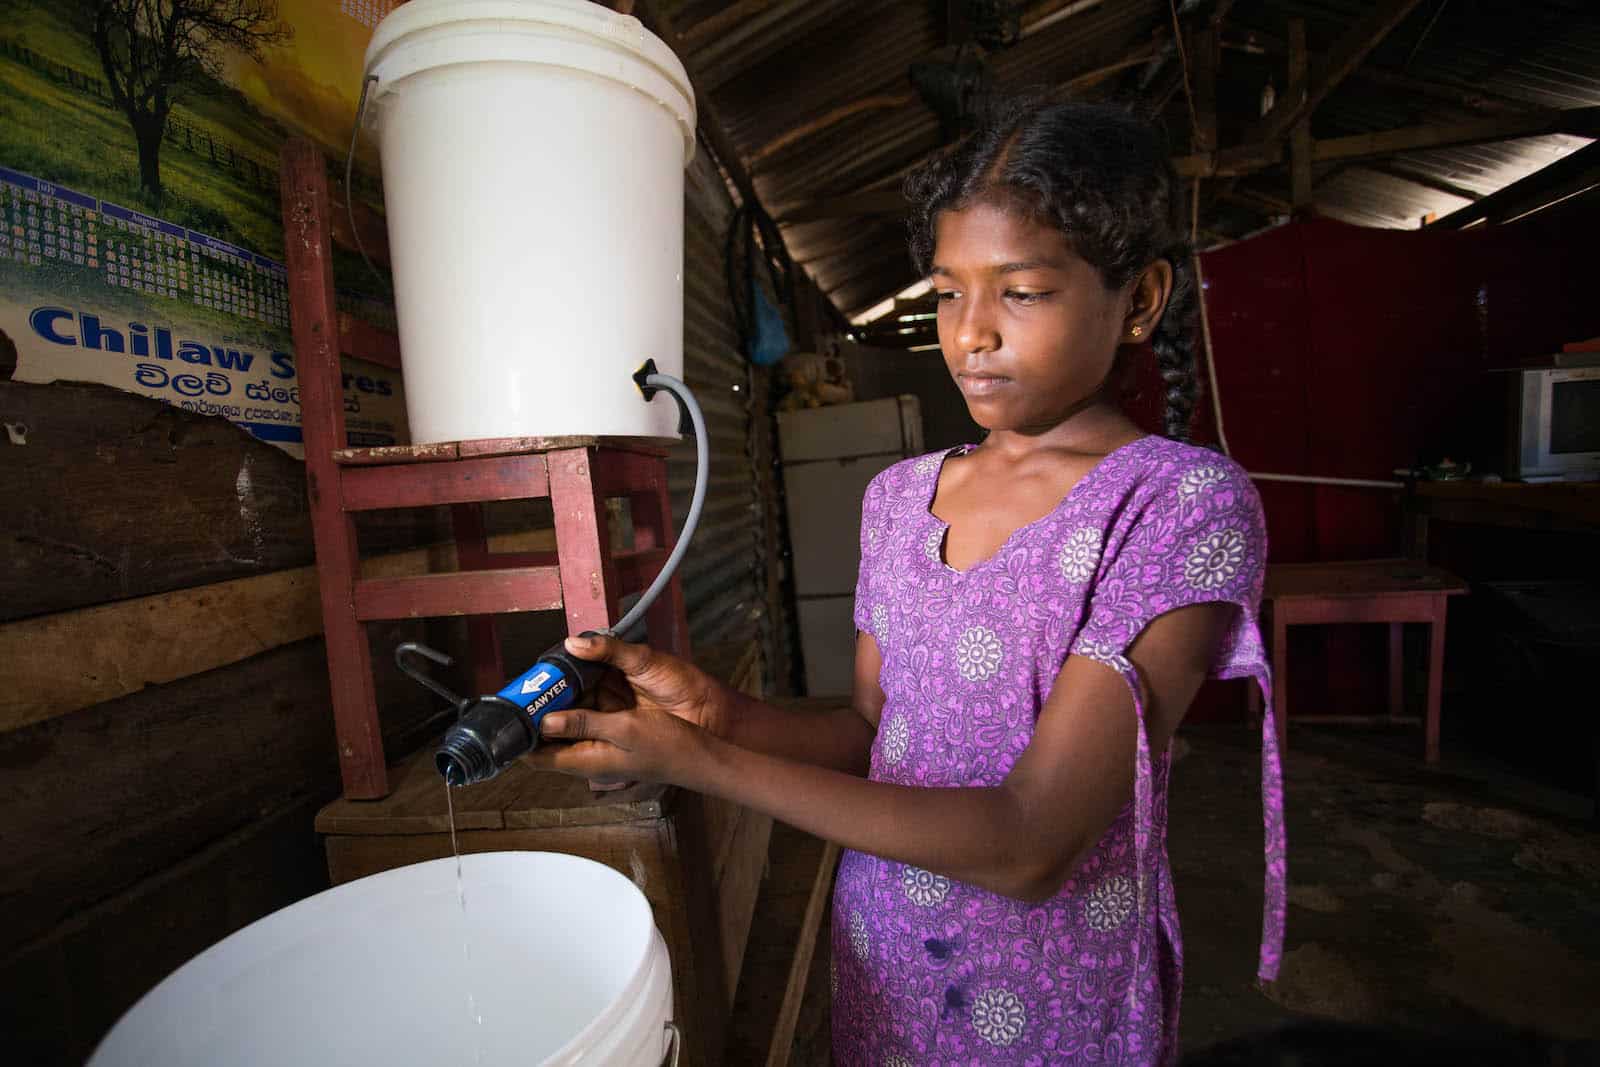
pixel 1183 58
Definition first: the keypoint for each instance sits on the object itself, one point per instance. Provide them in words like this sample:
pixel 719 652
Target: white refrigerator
pixel 829 456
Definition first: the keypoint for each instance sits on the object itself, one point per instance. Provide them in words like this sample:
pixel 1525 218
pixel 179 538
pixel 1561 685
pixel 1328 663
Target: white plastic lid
pixel 424 34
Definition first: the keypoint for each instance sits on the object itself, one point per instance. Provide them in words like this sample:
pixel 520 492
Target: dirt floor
pixel 1445 915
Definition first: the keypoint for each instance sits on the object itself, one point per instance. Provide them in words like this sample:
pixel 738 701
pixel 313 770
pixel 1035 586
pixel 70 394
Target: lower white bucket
pixel 555 961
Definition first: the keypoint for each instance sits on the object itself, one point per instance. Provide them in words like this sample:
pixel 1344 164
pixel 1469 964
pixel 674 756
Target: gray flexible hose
pixel 702 474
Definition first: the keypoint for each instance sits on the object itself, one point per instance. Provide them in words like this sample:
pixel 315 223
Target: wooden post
pixel 472 554
pixel 1435 678
pixel 1204 44
pixel 314 315
pixel 583 542
pixel 667 618
pixel 1397 689
pixel 1300 132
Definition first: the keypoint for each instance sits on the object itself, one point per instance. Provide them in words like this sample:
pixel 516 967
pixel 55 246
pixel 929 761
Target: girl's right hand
pixel 654 681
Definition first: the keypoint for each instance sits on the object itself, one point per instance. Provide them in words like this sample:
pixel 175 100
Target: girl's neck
pixel 1094 429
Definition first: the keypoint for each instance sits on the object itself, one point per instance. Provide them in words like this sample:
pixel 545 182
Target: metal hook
pixel 407 649
pixel 676 1037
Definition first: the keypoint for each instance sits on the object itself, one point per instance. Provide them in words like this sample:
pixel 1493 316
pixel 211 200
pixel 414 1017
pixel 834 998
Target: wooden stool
pixel 582 577
pixel 1393 591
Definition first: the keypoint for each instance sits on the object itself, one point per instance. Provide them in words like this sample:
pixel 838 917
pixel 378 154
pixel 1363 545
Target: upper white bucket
pixel 557 961
pixel 533 155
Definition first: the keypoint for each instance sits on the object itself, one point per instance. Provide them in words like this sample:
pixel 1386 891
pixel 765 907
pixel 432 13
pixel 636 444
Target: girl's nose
pixel 976 330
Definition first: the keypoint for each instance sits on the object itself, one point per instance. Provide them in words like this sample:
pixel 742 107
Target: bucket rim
pixel 637 965
pixel 605 27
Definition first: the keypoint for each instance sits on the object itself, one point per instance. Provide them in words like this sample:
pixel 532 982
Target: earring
pixel 1137 330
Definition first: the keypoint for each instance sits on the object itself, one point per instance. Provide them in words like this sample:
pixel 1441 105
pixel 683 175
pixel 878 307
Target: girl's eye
pixel 1025 298
pixel 945 295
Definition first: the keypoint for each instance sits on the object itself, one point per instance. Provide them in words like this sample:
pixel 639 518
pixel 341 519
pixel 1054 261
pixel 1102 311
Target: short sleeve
pixel 871 539
pixel 1196 536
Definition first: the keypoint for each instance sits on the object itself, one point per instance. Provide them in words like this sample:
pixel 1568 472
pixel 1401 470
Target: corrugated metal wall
pixel 725 574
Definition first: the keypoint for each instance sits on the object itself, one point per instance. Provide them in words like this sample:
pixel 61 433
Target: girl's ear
pixel 1148 297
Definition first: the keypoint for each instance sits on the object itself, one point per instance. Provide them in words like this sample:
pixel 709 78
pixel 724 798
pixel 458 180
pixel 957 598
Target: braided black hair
pixel 1105 179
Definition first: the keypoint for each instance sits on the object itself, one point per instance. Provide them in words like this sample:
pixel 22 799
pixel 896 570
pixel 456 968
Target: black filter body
pixel 491 731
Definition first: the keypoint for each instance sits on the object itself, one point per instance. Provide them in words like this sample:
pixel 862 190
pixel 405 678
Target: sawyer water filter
pixel 491 731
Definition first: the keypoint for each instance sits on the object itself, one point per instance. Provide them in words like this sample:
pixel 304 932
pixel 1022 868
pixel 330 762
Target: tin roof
pixel 816 97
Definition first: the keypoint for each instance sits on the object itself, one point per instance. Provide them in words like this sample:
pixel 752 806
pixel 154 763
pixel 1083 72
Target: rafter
pixel 1467 96
pixel 829 120
pixel 1306 92
pixel 1247 159
pixel 715 25
pixel 1427 181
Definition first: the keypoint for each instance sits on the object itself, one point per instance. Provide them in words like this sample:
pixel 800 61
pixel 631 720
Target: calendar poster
pixel 142 248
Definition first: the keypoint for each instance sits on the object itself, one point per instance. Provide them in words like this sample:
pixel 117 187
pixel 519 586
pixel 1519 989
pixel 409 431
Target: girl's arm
pixel 1022 838
pixel 839 738
pixel 836 737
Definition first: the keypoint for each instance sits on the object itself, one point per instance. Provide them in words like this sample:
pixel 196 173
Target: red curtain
pixel 1348 352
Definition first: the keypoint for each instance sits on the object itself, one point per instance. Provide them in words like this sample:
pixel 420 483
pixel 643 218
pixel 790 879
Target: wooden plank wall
pixel 164 733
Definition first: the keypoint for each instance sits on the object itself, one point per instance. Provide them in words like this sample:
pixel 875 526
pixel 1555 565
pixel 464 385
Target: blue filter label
pixel 542 688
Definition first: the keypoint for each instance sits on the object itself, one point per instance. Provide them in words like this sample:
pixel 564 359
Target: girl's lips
pixel 981 384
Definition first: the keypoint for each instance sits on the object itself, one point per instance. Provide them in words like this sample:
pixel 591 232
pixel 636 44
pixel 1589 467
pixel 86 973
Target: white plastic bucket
pixel 533 155
pixel 558 956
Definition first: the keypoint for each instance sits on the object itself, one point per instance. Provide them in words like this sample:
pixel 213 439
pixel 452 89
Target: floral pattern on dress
pixel 978 654
pixel 1198 479
pixel 1110 903
pixel 860 940
pixel 955 973
pixel 1215 561
pixel 895 739
pixel 924 888
pixel 1080 555
pixel 999 1016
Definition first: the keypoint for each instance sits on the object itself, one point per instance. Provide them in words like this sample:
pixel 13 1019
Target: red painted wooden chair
pixel 583 576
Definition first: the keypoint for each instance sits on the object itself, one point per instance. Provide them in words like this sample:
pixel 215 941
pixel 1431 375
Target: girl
pixel 1034 615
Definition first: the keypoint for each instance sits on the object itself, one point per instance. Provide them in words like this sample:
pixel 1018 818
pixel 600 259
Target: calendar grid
pixel 368 12
pixel 42 224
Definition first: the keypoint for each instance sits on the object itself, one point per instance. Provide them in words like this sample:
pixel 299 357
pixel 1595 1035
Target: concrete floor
pixel 1445 915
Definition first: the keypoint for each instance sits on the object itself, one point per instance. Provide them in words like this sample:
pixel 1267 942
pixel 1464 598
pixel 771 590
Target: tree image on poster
pixel 141 239
pixel 153 52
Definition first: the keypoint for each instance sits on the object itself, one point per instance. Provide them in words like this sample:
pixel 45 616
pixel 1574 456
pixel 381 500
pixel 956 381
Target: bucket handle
pixel 349 168
pixel 676 1037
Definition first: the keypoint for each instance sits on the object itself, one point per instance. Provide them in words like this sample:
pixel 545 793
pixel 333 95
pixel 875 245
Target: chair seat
pixel 446 451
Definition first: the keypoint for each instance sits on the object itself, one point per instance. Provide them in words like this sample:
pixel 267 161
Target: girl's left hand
pixel 624 745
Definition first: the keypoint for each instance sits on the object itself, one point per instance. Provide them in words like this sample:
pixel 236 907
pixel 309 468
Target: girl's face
pixel 1028 328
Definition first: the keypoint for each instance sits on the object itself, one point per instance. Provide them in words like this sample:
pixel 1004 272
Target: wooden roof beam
pixel 1303 95
pixel 855 205
pixel 1247 159
pixel 1466 96
pixel 1427 181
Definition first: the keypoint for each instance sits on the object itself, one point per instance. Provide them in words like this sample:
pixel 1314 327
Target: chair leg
pixel 483 640
pixel 583 542
pixel 1435 679
pixel 355 701
pixel 1397 696
pixel 652 523
pixel 314 314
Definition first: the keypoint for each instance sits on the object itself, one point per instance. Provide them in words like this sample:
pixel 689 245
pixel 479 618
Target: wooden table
pixel 1569 507
pixel 1392 591
pixel 698 860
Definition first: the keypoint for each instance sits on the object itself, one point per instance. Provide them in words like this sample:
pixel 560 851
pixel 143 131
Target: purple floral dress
pixel 928 970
